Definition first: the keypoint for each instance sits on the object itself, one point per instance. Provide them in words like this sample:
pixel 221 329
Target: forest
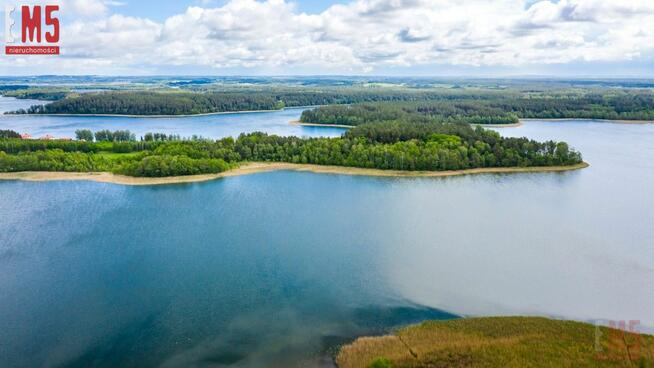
pixel 387 145
pixel 357 105
pixel 472 112
pixel 496 110
pixel 189 103
pixel 4 133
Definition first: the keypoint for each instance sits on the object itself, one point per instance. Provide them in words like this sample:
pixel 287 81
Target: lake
pixel 209 126
pixel 276 269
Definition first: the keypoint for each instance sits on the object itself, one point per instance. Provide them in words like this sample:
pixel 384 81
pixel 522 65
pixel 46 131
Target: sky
pixel 487 38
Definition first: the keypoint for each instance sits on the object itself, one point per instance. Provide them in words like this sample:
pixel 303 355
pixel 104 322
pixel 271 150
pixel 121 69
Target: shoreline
pixel 512 125
pixel 617 121
pixel 299 123
pixel 258 167
pixel 163 116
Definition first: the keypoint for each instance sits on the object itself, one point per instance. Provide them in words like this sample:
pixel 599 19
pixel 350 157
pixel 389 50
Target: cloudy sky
pixel 375 37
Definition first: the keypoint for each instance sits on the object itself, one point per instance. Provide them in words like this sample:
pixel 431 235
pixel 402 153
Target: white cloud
pixel 86 7
pixel 361 36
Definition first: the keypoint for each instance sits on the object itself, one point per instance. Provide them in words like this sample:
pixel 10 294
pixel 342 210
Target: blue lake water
pixel 275 269
pixel 209 126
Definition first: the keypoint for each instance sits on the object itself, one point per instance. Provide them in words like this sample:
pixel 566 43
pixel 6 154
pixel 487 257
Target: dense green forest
pixel 391 145
pixel 9 134
pixel 188 103
pixel 354 106
pixel 470 111
pixel 496 110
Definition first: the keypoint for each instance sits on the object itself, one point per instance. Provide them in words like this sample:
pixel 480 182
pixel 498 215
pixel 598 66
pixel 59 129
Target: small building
pixel 47 137
pixel 25 136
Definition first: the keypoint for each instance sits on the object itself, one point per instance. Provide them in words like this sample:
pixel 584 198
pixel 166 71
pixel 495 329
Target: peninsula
pixel 387 149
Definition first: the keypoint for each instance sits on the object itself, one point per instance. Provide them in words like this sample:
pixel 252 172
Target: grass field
pixel 500 342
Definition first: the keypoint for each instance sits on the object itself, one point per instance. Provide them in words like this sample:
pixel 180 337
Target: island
pixel 392 148
pixel 488 111
pixel 500 342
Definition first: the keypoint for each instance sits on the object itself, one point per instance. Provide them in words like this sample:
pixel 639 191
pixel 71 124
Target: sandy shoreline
pixel 160 116
pixel 512 125
pixel 257 167
pixel 297 122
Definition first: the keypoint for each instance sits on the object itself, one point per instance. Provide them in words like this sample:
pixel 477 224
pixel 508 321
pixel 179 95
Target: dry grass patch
pixel 502 342
pixel 365 350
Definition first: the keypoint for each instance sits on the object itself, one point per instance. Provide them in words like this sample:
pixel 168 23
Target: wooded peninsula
pixel 401 146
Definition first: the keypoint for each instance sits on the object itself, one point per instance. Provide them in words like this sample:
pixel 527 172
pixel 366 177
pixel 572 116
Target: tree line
pixel 47 94
pixel 5 133
pixel 496 110
pixel 471 112
pixel 189 103
pixel 355 106
pixel 389 145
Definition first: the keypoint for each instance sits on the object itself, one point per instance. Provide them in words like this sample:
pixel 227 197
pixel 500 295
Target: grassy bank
pixel 500 342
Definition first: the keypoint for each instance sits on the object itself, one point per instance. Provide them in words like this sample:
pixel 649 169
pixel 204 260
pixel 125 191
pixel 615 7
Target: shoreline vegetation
pixel 512 125
pixel 499 342
pixel 260 167
pixel 297 122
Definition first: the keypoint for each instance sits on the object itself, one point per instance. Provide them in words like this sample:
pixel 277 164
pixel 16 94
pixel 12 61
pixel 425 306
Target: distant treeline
pixel 9 134
pixel 497 110
pixel 390 145
pixel 189 103
pixel 365 105
pixel 47 94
